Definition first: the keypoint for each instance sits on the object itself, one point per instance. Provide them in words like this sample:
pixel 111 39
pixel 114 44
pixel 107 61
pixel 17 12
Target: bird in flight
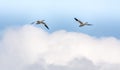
pixel 82 23
pixel 41 22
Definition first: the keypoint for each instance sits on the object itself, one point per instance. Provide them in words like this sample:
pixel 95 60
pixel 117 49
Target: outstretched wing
pixel 45 25
pixel 78 21
pixel 32 22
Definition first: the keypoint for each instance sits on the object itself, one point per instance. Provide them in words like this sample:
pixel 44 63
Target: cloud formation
pixel 31 48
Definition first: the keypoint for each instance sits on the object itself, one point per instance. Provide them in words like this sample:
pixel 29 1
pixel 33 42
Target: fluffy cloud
pixel 31 48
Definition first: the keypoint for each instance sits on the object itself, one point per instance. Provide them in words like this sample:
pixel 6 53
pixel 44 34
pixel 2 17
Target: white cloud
pixel 32 48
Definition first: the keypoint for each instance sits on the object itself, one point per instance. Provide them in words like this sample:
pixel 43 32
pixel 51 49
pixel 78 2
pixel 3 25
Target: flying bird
pixel 41 22
pixel 82 23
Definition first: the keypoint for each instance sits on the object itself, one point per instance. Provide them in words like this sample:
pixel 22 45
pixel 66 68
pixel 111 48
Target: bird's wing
pixel 78 21
pixel 32 22
pixel 45 25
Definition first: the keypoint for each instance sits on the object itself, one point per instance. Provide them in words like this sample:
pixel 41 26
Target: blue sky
pixel 103 14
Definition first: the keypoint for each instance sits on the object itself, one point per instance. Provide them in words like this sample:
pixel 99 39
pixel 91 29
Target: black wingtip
pixel 48 28
pixel 76 19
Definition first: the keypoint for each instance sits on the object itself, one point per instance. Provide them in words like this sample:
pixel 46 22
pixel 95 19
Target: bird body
pixel 41 22
pixel 82 23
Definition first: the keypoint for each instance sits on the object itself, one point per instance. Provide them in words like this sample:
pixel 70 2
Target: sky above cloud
pixel 103 14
